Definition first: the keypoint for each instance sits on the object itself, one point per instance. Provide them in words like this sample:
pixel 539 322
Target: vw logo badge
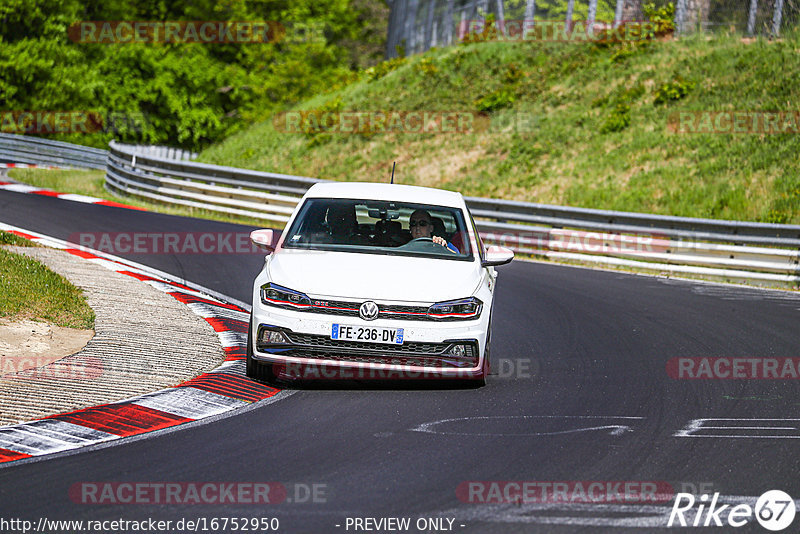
pixel 368 311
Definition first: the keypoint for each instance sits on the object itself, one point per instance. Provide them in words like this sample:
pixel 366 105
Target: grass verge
pixel 29 290
pixel 7 238
pixel 601 135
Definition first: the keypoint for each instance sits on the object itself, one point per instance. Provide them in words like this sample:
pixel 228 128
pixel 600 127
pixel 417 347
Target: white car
pixel 348 293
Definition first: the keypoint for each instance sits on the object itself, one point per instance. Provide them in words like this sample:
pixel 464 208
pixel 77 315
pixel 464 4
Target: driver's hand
pixel 440 240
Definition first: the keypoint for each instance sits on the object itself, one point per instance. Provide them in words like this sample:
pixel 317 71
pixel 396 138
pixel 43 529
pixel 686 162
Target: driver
pixel 421 226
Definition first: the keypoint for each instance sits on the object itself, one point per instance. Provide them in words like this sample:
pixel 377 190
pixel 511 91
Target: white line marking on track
pixel 696 427
pixel 616 429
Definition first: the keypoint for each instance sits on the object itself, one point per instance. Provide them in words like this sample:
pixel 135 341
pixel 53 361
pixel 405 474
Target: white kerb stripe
pixel 80 198
pixel 189 402
pixel 49 435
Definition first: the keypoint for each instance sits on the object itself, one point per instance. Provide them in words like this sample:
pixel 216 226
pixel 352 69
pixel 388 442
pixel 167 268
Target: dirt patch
pixel 26 344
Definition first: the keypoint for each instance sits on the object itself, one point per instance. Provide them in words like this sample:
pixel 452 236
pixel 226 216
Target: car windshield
pixel 380 227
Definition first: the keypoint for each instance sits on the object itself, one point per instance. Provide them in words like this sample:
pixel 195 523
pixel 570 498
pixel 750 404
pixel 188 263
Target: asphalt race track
pixel 582 395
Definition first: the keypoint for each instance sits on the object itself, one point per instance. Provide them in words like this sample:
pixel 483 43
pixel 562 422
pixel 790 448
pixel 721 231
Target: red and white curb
pixel 25 188
pixel 224 389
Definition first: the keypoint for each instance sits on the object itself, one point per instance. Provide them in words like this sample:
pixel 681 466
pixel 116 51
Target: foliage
pixel 426 67
pixel 185 94
pixel 499 99
pixel 663 17
pixel 617 120
pixel 383 68
pixel 672 91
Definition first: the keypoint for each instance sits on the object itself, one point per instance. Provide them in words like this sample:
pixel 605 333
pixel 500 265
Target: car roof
pixel 395 192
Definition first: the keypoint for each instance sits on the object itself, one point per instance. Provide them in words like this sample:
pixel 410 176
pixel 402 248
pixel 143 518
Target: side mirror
pixel 262 239
pixel 497 256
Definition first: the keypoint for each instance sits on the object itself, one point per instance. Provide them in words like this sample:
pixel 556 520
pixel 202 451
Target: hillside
pixel 601 134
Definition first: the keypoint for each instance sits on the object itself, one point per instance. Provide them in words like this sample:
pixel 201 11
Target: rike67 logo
pixel 774 510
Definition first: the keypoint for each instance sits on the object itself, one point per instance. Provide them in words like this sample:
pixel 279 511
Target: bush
pixel 663 17
pixel 426 67
pixel 672 91
pixel 617 120
pixel 384 67
pixel 499 99
pixel 180 94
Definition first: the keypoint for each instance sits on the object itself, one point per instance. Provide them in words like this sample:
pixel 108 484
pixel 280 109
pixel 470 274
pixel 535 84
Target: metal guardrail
pixel 760 253
pixel 260 195
pixel 730 250
pixel 38 151
pixel 166 152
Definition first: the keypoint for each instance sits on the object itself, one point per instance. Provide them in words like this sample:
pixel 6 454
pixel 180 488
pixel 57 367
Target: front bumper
pixel 426 350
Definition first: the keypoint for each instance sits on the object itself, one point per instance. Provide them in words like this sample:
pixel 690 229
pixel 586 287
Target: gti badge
pixel 368 311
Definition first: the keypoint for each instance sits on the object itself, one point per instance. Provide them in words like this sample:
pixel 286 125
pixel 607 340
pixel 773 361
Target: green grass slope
pixel 600 135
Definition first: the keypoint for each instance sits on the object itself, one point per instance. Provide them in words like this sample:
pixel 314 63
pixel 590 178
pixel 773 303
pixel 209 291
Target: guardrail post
pixel 592 12
pixel 591 16
pixel 501 15
pixel 395 21
pixel 429 25
pixel 530 10
pixel 570 8
pixel 618 12
pixel 680 16
pixel 409 32
pixel 447 24
pixel 776 18
pixel 751 17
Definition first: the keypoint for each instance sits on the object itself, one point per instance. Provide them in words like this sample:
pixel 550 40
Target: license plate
pixel 368 334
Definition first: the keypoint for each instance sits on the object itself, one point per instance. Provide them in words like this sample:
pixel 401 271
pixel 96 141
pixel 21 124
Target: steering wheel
pixel 422 239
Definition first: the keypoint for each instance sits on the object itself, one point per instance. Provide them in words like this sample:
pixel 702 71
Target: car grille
pixel 420 354
pixel 317 341
pixel 386 311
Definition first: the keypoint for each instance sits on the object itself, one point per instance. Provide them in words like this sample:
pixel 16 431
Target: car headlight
pixel 275 295
pixel 456 309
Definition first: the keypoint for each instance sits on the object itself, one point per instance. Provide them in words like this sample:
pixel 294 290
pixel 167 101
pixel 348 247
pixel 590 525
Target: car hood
pixel 374 276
